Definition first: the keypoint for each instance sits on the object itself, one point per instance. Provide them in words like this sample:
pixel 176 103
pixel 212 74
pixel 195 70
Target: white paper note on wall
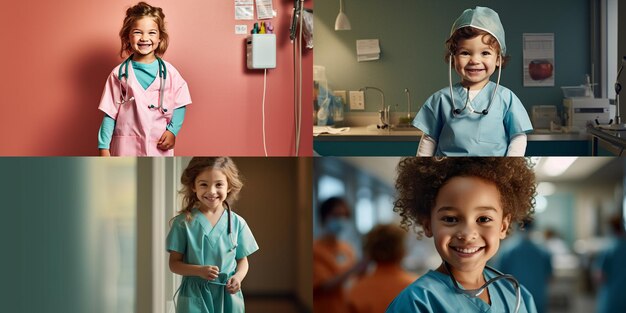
pixel 244 9
pixel 264 9
pixel 367 50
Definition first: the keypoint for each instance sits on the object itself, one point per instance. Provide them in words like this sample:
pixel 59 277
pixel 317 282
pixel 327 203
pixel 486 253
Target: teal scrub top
pixel 611 262
pixel 203 244
pixel 434 292
pixel 471 134
pixel 530 264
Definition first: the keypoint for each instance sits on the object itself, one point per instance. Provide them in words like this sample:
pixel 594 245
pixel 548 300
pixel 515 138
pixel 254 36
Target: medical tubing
pixel 295 87
pixel 450 84
pixel 263 108
pixel 297 77
pixel 298 104
pixel 476 292
pixel 493 94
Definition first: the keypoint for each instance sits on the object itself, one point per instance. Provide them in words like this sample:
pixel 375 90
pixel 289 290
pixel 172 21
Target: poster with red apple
pixel 538 59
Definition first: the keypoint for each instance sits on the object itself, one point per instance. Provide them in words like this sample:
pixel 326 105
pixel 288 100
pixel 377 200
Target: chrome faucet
pixel 408 104
pixel 383 113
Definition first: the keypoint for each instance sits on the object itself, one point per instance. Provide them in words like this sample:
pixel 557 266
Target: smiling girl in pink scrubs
pixel 144 97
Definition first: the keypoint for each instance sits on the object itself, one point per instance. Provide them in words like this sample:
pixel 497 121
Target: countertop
pixel 370 133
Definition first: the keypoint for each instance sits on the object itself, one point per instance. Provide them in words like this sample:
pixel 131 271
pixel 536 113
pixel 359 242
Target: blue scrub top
pixel 611 262
pixel 204 244
pixel 434 292
pixel 471 134
pixel 530 264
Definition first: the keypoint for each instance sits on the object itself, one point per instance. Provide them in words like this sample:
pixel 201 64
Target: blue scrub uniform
pixel 531 264
pixel 203 244
pixel 611 262
pixel 471 134
pixel 434 292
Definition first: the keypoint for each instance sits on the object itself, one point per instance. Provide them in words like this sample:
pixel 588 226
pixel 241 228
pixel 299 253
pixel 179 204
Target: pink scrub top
pixel 138 128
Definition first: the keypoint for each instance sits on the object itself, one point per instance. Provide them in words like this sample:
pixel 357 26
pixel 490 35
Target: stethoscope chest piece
pixel 123 74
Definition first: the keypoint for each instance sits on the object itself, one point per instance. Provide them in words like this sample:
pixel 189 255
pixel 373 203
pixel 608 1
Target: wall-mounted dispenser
pixel 261 51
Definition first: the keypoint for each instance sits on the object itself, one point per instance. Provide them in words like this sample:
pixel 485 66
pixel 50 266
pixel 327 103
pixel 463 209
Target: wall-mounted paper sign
pixel 538 59
pixel 244 10
pixel 367 50
pixel 264 9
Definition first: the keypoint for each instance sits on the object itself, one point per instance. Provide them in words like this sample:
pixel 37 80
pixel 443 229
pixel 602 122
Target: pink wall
pixel 63 51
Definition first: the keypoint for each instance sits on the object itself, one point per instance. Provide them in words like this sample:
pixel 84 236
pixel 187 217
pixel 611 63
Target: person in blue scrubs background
pixel 610 271
pixel 466 205
pixel 529 262
pixel 475 117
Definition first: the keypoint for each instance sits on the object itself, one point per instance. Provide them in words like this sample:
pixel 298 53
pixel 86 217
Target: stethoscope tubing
pixel 124 75
pixel 476 292
pixel 456 111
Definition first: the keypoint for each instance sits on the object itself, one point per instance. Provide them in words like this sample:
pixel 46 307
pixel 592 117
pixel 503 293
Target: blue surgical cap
pixel 482 18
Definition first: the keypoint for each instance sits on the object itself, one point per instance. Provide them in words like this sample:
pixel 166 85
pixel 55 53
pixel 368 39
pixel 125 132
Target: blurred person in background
pixel 334 260
pixel 610 272
pixel 384 245
pixel 529 262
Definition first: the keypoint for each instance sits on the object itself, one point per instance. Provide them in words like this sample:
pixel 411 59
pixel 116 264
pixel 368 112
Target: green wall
pixel 412 35
pixel 44 266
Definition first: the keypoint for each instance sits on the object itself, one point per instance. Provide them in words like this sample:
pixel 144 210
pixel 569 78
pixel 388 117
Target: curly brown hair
pixel 419 181
pixel 468 32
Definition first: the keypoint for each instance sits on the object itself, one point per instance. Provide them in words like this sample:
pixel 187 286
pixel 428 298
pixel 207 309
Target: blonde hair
pixel 136 13
pixel 197 166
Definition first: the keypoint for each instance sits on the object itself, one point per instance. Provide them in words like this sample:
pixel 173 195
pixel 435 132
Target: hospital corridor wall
pixel 60 53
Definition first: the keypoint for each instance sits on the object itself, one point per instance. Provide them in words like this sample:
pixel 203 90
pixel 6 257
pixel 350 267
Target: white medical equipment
pixel 261 51
pixel 476 292
pixel 124 92
pixel 581 111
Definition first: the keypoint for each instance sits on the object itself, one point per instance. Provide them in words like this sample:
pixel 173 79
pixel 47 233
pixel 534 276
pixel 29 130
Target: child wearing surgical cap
pixel 475 117
pixel 466 205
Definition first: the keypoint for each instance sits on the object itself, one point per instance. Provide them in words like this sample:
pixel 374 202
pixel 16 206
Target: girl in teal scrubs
pixel 208 243
pixel 466 205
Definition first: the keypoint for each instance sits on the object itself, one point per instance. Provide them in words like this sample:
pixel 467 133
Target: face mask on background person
pixel 336 225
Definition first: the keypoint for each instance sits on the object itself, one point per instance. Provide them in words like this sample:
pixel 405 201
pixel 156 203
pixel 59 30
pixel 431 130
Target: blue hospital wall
pixel 412 36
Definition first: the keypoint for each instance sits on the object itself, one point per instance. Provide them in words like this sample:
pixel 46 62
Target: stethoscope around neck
pixel 456 111
pixel 474 293
pixel 123 73
pixel 229 230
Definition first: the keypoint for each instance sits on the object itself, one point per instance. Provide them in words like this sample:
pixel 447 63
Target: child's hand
pixel 105 152
pixel 209 272
pixel 233 285
pixel 167 141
